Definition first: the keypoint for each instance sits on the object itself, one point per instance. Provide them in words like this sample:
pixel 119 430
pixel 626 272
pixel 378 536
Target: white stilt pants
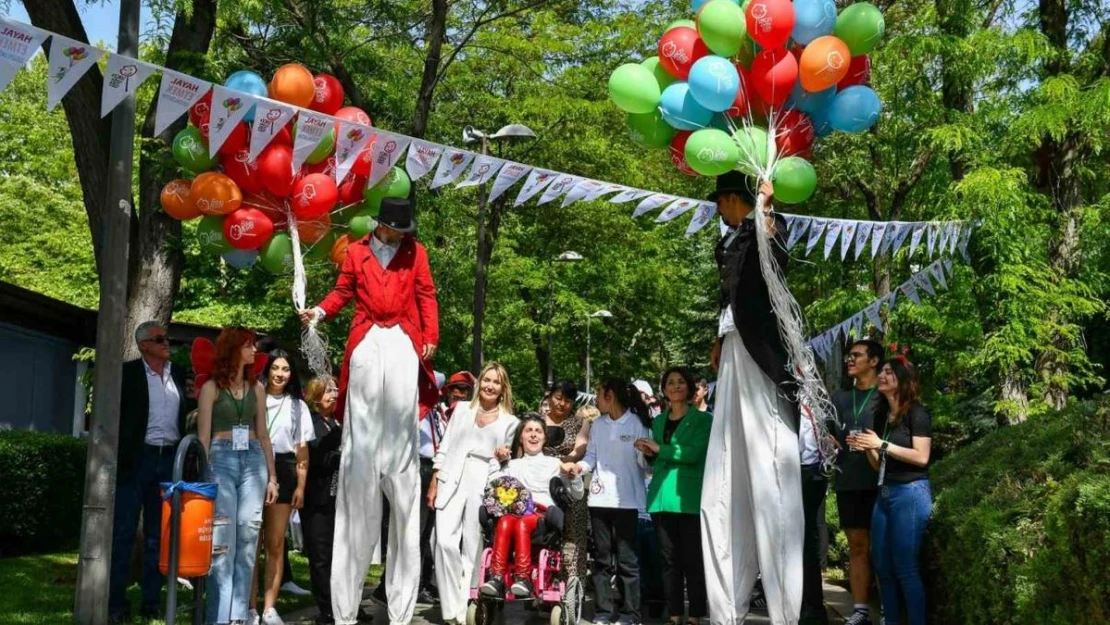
pixel 457 526
pixel 751 503
pixel 379 455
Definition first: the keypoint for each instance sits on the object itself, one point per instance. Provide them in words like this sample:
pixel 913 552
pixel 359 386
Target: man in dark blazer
pixel 152 421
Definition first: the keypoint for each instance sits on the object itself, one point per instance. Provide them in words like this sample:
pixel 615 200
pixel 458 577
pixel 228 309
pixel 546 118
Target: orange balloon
pixel 215 194
pixel 312 230
pixel 176 201
pixel 339 250
pixel 824 63
pixel 293 83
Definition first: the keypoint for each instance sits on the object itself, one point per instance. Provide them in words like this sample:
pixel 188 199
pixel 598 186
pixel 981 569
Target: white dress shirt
pixel 383 252
pixel 807 441
pixel 163 404
pixel 617 468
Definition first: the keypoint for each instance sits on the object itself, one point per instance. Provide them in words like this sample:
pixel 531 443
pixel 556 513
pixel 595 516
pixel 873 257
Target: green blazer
pixel 678 468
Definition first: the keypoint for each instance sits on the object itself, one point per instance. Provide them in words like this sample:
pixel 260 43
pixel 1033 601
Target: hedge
pixel 1021 527
pixel 42 477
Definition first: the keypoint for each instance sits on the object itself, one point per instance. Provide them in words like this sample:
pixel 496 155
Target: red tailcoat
pixel 401 294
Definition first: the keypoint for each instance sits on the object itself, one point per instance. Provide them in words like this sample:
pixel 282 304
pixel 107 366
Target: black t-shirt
pixel 668 429
pixel 916 422
pixel 855 471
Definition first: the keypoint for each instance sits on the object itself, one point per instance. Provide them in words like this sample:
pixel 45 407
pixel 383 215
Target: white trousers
pixel 751 503
pixel 459 541
pixel 379 455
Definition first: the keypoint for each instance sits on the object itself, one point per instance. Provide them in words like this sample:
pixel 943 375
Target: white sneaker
pixel 293 589
pixel 252 617
pixel 270 617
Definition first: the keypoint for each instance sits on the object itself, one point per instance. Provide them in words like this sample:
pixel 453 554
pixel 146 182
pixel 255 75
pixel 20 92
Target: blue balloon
pixel 241 259
pixel 248 82
pixel 810 102
pixel 681 110
pixel 855 109
pixel 821 125
pixel 714 82
pixel 813 19
pixel 721 122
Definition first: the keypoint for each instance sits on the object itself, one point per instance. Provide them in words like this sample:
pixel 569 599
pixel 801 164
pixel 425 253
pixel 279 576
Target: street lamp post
pixel 567 257
pixel 604 314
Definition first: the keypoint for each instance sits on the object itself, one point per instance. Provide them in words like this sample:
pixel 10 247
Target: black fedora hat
pixel 396 213
pixel 736 183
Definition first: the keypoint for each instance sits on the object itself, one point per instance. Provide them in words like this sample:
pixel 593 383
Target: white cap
pixel 643 387
pixel 440 380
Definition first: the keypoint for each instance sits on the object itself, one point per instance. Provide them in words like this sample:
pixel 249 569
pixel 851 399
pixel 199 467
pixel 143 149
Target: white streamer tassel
pixel 314 346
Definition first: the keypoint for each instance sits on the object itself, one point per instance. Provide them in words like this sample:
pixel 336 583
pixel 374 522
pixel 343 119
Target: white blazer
pixel 464 438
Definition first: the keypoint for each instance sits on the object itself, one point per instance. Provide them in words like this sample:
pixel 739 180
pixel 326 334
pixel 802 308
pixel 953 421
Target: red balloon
pixel 859 73
pixel 678 152
pixel 361 166
pixel 248 229
pixel 239 139
pixel 201 109
pixel 350 192
pixel 272 206
pixel 770 22
pixel 329 94
pixel 242 170
pixel 679 49
pixel 202 124
pixel 284 136
pixel 312 230
pixel 326 167
pixel 774 73
pixel 741 105
pixel 314 196
pixel 354 114
pixel 275 166
pixel 793 133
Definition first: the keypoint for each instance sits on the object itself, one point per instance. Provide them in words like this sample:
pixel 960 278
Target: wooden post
pixel 97 515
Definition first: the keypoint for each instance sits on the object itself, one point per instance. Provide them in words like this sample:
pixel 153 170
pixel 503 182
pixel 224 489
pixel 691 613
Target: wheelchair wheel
pixel 480 613
pixel 557 615
pixel 571 608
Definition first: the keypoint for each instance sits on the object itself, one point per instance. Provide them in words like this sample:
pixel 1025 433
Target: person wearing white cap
pixel 648 396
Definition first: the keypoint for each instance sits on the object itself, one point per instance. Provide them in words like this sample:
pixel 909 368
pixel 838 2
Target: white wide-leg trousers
pixel 459 541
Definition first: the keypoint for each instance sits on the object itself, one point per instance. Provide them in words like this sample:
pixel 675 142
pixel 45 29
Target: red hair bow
pixel 203 358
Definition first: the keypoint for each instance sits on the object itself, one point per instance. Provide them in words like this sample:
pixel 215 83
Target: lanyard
pixel 882 453
pixel 238 404
pixel 277 413
pixel 858 410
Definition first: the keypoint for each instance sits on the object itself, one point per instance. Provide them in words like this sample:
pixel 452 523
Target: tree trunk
pixel 1015 399
pixel 435 32
pixel 955 18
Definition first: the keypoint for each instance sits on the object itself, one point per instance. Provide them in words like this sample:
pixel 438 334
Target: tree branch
pixel 917 170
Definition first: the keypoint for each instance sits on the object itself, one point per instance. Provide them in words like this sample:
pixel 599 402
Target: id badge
pixel 240 437
pixel 882 468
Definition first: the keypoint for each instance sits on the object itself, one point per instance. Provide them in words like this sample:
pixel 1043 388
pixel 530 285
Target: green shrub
pixel 42 477
pixel 1021 527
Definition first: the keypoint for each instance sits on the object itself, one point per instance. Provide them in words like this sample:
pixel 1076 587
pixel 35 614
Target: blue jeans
pixel 135 493
pixel 897 530
pixel 241 478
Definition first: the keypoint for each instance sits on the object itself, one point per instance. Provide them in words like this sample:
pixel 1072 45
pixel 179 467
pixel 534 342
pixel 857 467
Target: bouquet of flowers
pixel 506 495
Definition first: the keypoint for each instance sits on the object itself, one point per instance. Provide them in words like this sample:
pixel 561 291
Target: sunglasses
pixel 161 340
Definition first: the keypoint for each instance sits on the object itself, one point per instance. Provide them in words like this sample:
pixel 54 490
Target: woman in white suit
pixel 477 441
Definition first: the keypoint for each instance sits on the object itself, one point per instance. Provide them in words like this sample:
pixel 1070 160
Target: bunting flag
pixel 938 273
pixel 176 94
pixel 702 217
pixel 676 209
pixel 451 166
pixel 581 190
pixel 901 232
pixel 921 279
pixel 628 195
pixel 931 239
pixel 269 118
pixel 384 154
pixel 847 238
pixel 830 237
pixel 606 189
pixel 877 232
pixel 229 107
pixel 816 229
pixel 311 130
pixel 863 234
pixel 873 316
pixel 563 184
pixel 422 158
pixel 945 234
pixel 349 144
pixel 652 202
pixel 537 181
pixel 69 60
pixel 952 241
pixel 18 42
pixel 911 292
pixel 122 78
pixel 797 229
pixel 509 175
pixel 484 169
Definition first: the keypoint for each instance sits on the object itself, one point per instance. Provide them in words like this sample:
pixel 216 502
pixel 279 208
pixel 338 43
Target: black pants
pixel 427 525
pixel 614 533
pixel 814 487
pixel 680 543
pixel 318 525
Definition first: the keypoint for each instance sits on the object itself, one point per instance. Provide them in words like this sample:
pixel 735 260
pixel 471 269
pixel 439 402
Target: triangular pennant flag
pixel 847 237
pixel 69 60
pixel 177 93
pixel 18 42
pixel 422 158
pixel 352 140
pixel 676 209
pixel 628 195
pixel 605 189
pixel 954 238
pixel 890 299
pixel 581 190
pixel 484 169
pixel 843 329
pixel 862 236
pixel 901 232
pixel 911 292
pixel 789 219
pixel 873 316
pixel 562 184
pixel 702 216
pixel 948 266
pixel 937 269
pixel 888 238
pixel 122 78
pixel 921 279
pixel 652 202
pixel 918 230
pixel 931 238
pixel 877 232
pixel 311 130
pixel 797 229
pixel 537 181
pixel 945 234
pixel 385 151
pixel 965 238
pixel 451 166
pixel 269 118
pixel 857 325
pixel 228 109
pixel 509 175
pixel 830 237
pixel 816 229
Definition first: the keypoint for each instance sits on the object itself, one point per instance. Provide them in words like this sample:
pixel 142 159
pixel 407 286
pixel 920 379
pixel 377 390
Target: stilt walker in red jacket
pixel 385 384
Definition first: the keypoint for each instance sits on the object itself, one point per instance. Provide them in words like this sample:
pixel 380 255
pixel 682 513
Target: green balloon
pixel 321 250
pixel 754 151
pixel 686 23
pixel 711 152
pixel 649 129
pixel 362 223
pixel 276 256
pixel 861 27
pixel 722 26
pixel 662 77
pixel 395 184
pixel 795 180
pixel 190 150
pixel 343 215
pixel 210 235
pixel 634 89
pixel 323 149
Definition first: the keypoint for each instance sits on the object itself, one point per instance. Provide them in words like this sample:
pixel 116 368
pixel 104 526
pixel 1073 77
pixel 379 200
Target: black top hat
pixel 396 213
pixel 736 183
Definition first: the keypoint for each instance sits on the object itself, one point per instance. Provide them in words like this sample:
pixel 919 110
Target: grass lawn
pixel 38 590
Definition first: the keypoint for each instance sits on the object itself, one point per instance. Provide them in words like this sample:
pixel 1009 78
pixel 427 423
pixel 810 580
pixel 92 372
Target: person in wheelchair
pixel 551 489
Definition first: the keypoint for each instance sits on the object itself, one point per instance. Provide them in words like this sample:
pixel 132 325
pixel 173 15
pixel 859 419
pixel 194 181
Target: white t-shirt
pixel 279 423
pixel 535 472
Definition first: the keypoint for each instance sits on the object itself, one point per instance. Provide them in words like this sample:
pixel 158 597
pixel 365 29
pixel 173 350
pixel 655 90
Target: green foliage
pixel 41 480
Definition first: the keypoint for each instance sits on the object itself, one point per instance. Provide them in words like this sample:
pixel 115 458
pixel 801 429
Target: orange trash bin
pixel 198 505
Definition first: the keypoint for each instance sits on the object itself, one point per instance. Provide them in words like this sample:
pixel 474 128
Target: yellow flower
pixel 506 495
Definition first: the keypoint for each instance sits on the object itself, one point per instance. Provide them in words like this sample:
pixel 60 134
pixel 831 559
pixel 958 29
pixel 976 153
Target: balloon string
pixel 314 346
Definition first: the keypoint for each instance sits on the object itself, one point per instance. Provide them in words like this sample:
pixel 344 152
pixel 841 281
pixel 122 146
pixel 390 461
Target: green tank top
pixel 228 412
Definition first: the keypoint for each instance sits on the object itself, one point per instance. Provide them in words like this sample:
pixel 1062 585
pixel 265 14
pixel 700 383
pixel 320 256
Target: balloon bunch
pixel 243 204
pixel 751 87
